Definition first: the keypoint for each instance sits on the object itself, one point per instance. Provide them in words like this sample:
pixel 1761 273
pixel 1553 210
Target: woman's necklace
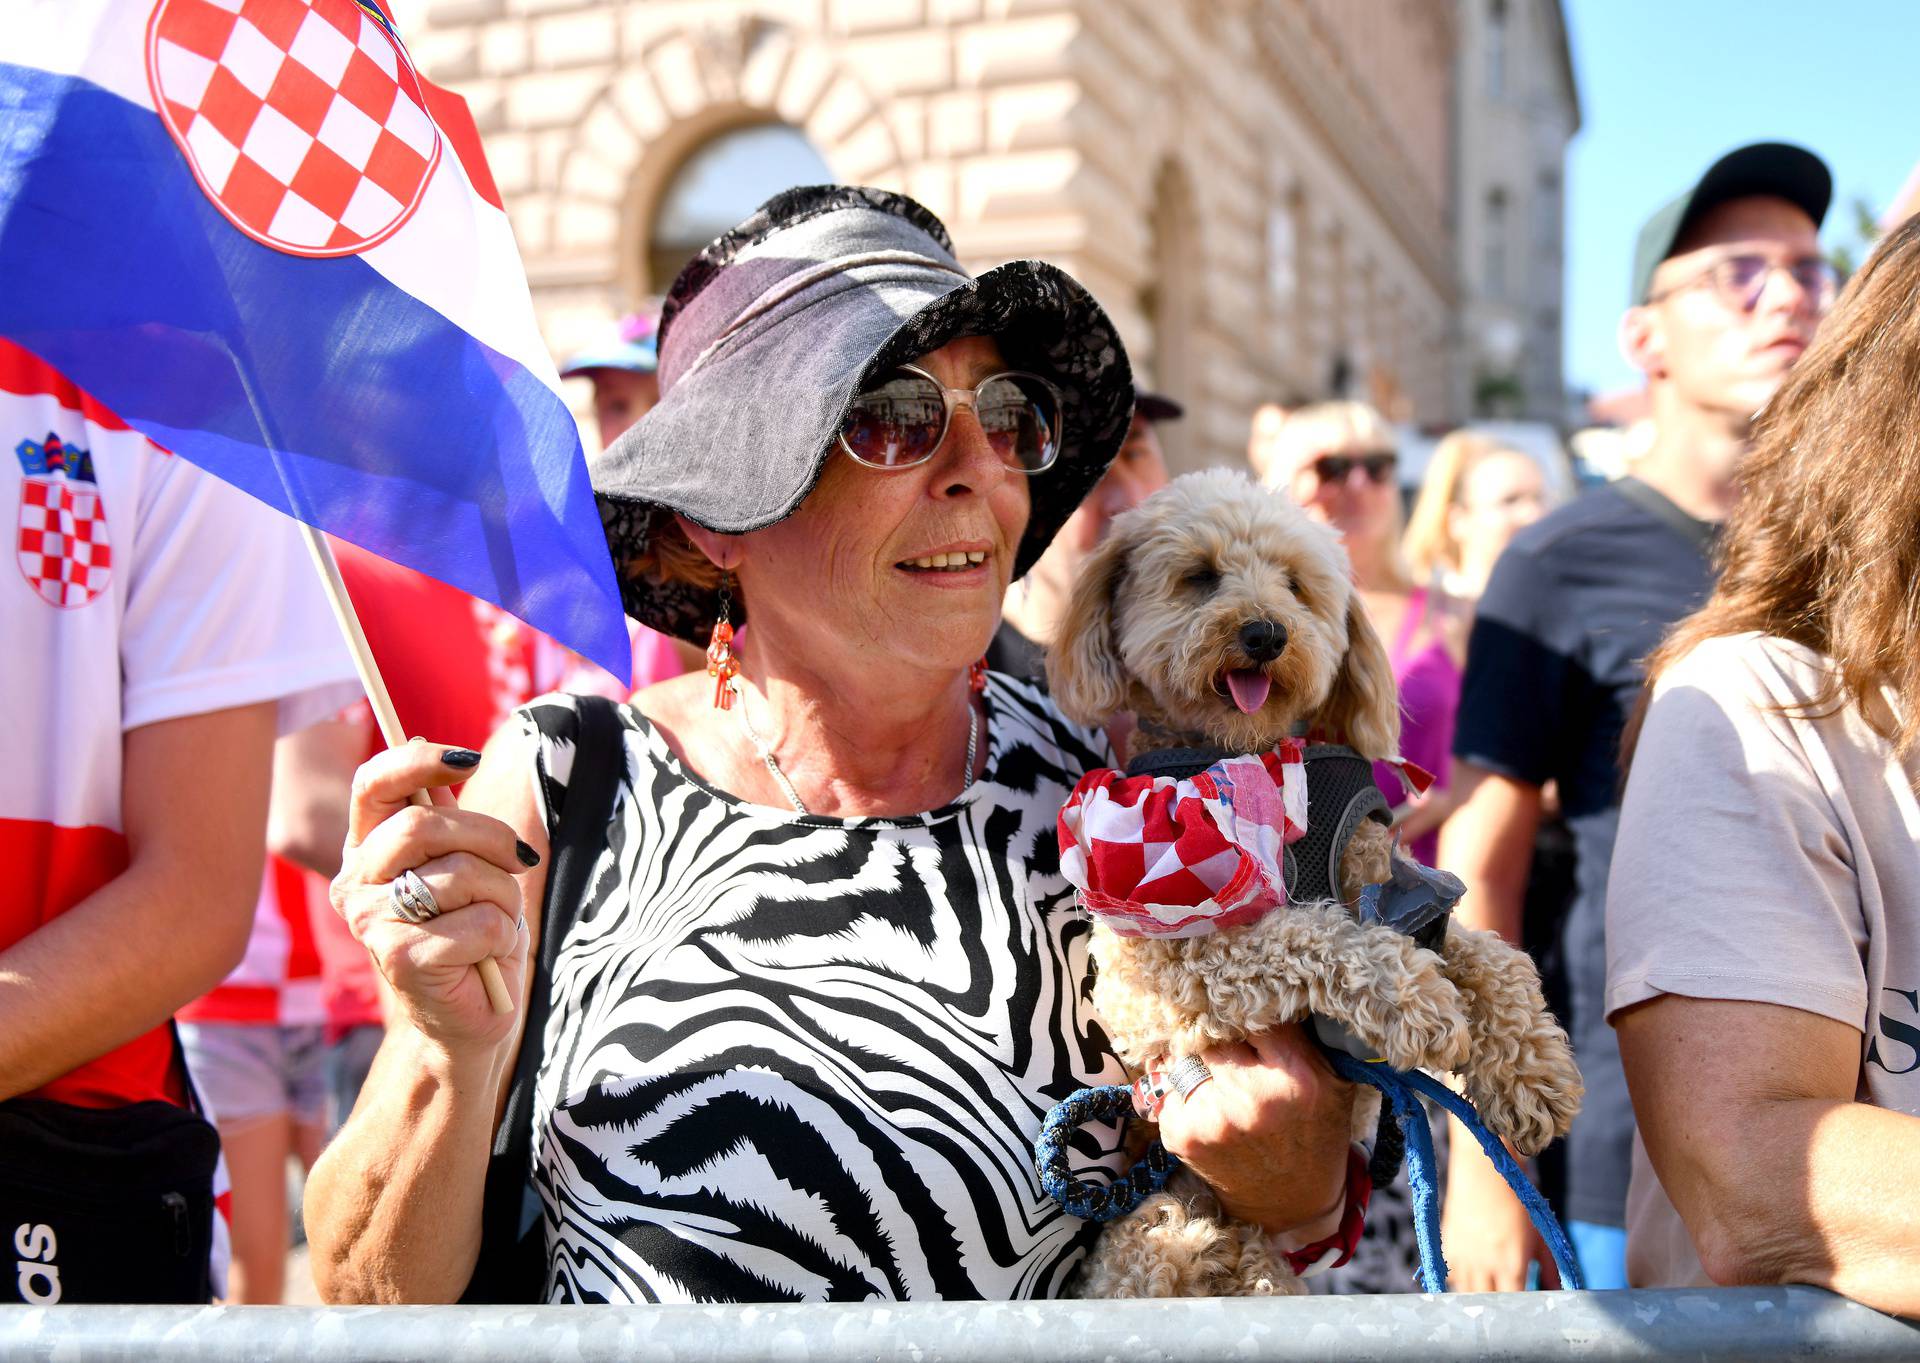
pixel 780 777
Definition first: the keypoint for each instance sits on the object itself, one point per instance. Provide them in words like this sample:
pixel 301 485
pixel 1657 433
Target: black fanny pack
pixel 104 1205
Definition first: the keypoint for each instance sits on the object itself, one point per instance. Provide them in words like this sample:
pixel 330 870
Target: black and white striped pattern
pixel 803 1058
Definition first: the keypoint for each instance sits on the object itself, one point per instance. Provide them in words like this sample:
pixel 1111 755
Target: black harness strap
pixel 510 1266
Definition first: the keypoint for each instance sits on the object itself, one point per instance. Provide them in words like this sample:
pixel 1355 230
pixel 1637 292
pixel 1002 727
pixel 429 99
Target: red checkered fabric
pixel 302 119
pixel 1156 856
pixel 63 545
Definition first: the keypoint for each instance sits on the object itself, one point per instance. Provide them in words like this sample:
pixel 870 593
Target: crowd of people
pixel 796 974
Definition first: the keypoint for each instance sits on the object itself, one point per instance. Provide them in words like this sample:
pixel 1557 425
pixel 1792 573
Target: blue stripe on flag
pixel 315 385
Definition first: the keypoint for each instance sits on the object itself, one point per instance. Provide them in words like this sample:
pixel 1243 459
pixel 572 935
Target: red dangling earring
pixel 977 677
pixel 723 664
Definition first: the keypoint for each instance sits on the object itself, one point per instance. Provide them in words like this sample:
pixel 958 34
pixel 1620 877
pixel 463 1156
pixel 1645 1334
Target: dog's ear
pixel 1363 708
pixel 1084 671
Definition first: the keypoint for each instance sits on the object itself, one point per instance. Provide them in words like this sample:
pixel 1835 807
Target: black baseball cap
pixel 1777 170
pixel 1156 406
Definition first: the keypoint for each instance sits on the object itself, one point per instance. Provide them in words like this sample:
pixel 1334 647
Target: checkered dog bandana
pixel 1156 856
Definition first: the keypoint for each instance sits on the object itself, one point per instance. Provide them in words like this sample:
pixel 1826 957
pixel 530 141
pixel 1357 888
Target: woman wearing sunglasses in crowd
pixel 824 979
pixel 1340 460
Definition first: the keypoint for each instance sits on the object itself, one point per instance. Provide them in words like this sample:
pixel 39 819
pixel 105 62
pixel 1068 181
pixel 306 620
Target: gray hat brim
pixel 740 438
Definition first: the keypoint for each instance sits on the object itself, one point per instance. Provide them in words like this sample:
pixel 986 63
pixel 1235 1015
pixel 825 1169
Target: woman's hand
pixel 469 861
pixel 1269 1132
pixel 1490 1240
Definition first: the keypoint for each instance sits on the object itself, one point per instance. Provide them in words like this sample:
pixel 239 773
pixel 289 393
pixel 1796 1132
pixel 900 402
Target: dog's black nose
pixel 1264 640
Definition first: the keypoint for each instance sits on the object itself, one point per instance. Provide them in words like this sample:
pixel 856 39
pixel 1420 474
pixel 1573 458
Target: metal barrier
pixel 1750 1324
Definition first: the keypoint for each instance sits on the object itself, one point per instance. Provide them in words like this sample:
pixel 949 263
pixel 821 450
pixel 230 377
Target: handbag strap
pixel 501 1273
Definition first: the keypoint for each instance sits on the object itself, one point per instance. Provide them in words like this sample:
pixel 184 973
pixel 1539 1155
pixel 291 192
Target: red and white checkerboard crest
pixel 62 545
pixel 302 119
pixel 1160 856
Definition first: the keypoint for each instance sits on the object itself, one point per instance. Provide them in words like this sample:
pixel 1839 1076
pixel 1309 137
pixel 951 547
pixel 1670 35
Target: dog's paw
pixel 1429 1034
pixel 1532 1101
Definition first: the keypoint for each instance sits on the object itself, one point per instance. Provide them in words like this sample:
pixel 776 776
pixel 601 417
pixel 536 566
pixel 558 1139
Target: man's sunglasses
pixel 1739 280
pixel 1334 468
pixel 900 420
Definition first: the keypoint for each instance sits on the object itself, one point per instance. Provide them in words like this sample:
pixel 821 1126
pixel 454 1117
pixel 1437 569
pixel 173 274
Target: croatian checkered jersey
pixel 800 1058
pixel 142 590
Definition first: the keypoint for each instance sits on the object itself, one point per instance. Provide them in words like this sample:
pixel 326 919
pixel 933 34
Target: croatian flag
pixel 252 230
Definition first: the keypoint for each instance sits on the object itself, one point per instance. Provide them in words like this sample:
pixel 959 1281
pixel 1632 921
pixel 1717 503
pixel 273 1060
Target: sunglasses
pixel 1334 468
pixel 899 421
pixel 1738 281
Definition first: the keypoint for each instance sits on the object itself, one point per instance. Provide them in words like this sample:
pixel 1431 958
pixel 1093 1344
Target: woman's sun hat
pixel 768 334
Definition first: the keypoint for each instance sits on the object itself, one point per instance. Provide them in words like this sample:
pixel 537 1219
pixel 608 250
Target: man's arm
pixel 167 929
pixel 312 782
pixel 1488 843
pixel 1747 1112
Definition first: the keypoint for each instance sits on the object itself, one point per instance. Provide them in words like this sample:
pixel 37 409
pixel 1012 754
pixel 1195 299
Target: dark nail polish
pixel 528 857
pixel 460 757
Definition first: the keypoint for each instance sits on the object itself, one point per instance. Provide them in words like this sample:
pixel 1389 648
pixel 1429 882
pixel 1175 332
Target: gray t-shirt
pixel 1764 857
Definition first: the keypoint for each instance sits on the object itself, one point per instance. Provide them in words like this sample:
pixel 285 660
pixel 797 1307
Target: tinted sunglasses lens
pixel 1021 415
pixel 1379 467
pixel 1743 277
pixel 1818 280
pixel 896 422
pixel 1332 468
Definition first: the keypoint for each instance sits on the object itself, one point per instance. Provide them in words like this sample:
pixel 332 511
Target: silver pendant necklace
pixel 780 777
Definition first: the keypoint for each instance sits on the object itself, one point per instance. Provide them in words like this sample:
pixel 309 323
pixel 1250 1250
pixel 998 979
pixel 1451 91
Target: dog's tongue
pixel 1249 688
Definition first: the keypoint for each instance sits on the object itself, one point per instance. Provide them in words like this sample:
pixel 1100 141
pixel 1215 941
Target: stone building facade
pixel 1261 191
pixel 1517 106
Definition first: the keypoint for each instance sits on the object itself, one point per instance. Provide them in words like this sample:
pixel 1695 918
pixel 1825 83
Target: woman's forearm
pixel 393 1205
pixel 1823 1192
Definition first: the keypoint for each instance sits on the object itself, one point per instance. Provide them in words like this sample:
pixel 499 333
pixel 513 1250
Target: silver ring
pixel 1188 1075
pixel 413 902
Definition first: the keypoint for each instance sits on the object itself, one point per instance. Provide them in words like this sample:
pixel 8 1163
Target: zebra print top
pixel 800 1058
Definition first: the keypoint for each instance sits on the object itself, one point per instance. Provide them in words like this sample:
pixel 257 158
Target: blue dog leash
pixel 1402 1090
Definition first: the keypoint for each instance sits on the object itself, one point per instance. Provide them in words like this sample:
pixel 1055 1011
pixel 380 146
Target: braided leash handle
pixel 1088 1201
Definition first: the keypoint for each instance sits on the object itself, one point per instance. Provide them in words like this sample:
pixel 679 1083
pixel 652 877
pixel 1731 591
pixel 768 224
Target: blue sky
pixel 1668 85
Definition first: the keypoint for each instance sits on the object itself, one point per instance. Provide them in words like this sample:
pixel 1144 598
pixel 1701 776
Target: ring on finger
pixel 1189 1074
pixel 413 902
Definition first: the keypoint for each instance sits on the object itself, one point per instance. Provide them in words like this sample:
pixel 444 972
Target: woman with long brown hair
pixel 1763 918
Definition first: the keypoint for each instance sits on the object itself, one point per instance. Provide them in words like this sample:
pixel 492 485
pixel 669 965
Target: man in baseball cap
pixel 624 369
pixel 1036 602
pixel 1728 285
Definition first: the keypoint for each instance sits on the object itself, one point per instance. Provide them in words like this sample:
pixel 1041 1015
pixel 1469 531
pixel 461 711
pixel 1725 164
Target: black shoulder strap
pixel 509 1267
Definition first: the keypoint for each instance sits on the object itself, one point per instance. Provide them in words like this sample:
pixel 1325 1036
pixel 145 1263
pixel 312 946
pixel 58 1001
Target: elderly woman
pixel 801 1030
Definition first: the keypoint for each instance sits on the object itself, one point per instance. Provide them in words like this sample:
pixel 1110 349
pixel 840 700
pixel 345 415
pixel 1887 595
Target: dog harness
pixel 1341 794
pixel 1191 840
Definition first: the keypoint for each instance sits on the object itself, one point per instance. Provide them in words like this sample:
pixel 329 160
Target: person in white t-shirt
pixel 1763 915
pixel 161 628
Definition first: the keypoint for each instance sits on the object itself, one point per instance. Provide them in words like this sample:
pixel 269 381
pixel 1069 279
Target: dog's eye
pixel 1204 578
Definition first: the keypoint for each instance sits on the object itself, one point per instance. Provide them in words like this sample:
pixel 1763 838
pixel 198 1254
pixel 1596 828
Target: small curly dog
pixel 1224 619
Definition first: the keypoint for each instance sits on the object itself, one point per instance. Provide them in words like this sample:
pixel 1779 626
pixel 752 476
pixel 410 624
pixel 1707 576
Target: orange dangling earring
pixel 723 665
pixel 977 677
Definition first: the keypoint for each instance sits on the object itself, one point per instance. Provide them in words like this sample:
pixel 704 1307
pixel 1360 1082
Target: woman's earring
pixel 723 665
pixel 977 677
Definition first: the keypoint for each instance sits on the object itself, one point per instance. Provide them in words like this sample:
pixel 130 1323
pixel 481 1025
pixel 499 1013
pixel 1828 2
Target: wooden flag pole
pixel 383 712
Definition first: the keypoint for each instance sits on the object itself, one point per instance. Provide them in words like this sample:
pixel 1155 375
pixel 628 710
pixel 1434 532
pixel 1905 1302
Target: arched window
pixel 723 181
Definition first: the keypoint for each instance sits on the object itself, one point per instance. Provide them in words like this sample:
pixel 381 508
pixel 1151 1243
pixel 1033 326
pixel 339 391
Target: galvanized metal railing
pixel 1754 1325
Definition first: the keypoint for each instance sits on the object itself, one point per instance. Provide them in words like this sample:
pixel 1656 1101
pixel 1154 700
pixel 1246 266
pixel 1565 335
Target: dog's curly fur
pixel 1154 625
